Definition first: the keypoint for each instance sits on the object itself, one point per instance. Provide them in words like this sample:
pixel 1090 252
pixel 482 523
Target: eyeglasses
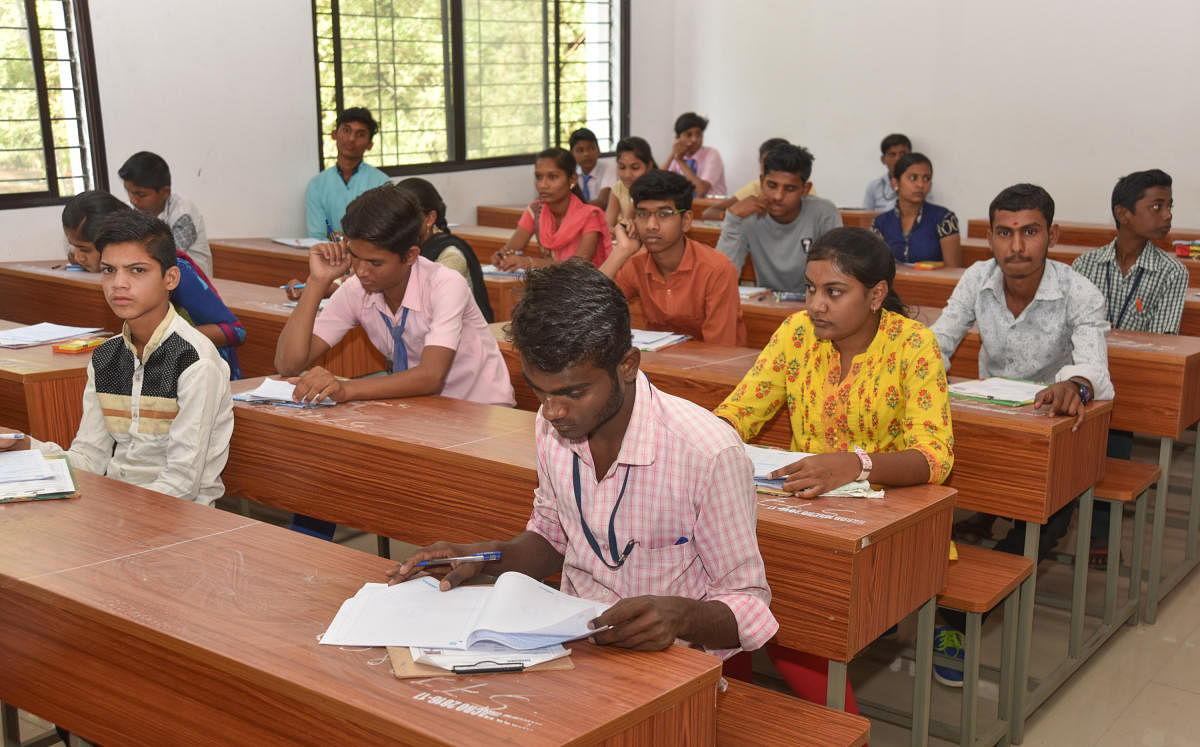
pixel 663 214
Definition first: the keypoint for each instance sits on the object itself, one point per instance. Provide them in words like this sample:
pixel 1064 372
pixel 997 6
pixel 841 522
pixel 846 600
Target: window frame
pixel 86 62
pixel 456 129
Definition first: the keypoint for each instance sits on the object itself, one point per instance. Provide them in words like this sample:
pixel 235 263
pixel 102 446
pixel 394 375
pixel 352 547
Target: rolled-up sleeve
pixel 727 543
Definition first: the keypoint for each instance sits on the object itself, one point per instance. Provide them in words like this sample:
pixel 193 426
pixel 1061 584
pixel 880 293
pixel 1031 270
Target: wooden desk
pixel 41 392
pixel 1086 234
pixel 506 216
pixel 133 617
pixel 35 292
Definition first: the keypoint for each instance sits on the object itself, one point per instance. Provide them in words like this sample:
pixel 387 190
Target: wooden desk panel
pixel 154 624
pixel 401 468
pixel 1086 234
pixel 763 317
pixel 259 261
pixel 926 287
pixel 35 292
pixel 41 392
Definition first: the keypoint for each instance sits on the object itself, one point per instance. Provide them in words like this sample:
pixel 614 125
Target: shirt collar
pixel 412 293
pixel 1147 260
pixel 155 339
pixel 686 264
pixel 1050 289
pixel 638 443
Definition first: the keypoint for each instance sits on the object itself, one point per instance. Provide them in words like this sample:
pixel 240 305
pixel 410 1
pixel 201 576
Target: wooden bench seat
pixel 752 715
pixel 1125 480
pixel 981 579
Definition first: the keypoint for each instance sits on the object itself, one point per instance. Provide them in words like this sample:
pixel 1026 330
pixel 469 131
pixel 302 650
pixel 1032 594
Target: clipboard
pixel 72 493
pixel 405 668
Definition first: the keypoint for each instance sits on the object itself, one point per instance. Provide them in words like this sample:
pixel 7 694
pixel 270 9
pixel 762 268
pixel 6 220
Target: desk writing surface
pixel 41 392
pixel 145 629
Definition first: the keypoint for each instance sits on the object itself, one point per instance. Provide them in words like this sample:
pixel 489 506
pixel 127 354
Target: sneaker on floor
pixel 948 642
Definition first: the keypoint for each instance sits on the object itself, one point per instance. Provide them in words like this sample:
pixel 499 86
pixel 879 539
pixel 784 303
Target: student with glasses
pixel 644 500
pixel 684 286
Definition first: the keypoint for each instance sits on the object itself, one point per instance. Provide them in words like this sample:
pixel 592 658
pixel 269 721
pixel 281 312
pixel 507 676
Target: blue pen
pixel 297 286
pixel 328 230
pixel 681 541
pixel 479 557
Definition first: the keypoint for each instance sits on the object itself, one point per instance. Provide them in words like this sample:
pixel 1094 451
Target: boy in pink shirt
pixel 699 164
pixel 419 314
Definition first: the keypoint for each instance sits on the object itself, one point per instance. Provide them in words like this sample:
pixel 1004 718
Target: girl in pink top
pixel 564 224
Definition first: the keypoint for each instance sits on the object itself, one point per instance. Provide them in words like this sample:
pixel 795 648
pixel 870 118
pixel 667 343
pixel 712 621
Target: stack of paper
pixel 998 391
pixel 18 484
pixel 304 243
pixel 294 304
pixel 483 655
pixel 494 270
pixel 518 613
pixel 748 292
pixel 278 392
pixel 650 341
pixel 41 334
pixel 767 461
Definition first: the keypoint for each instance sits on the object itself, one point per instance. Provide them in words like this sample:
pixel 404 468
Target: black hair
pixel 891 141
pixel 662 185
pixel 688 120
pixel 84 212
pixel 585 134
pixel 146 169
pixel 131 226
pixel 638 147
pixel 863 255
pixel 427 195
pixel 1023 197
pixel 770 144
pixel 789 158
pixel 359 114
pixel 571 313
pixel 907 161
pixel 1131 188
pixel 389 217
pixel 563 160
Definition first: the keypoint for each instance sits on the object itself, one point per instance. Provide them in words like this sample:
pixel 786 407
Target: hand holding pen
pixel 452 563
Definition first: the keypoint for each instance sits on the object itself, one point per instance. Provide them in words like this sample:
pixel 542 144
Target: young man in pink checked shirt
pixel 644 499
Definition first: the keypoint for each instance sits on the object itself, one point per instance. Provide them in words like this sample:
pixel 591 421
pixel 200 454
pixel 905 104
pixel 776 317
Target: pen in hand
pixel 297 286
pixel 479 557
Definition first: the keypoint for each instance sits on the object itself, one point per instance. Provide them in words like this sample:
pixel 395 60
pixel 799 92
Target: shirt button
pixel 122 473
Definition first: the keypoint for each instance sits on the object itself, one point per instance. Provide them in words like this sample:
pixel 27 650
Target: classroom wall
pixel 1067 94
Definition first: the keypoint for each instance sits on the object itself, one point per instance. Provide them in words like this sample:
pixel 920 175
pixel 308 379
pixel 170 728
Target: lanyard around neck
pixel 618 560
pixel 1137 279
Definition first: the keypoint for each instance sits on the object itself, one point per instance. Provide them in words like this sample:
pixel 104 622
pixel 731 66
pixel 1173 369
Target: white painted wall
pixel 1068 94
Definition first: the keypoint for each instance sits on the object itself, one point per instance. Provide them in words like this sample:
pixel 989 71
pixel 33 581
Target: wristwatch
pixel 866 463
pixel 1085 391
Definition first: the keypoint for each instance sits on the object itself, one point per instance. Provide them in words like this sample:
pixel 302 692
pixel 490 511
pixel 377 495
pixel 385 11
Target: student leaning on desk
pixel 865 389
pixel 643 499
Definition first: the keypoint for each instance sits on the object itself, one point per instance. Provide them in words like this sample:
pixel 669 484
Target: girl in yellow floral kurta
pixel 887 419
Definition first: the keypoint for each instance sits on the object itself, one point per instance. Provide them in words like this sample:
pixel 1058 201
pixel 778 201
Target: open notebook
pixel 518 612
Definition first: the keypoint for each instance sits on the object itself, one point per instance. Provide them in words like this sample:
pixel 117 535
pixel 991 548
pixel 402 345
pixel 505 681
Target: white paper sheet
pixel 23 465
pixel 41 334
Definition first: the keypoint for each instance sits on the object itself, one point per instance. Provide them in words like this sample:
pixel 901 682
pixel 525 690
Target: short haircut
pixel 86 210
pixel 1131 188
pixel 581 135
pixel 570 314
pixel 891 141
pixel 1023 197
pixel 863 255
pixel 132 227
pixel 907 161
pixel 389 216
pixel 429 198
pixel 638 147
pixel 792 159
pixel 146 169
pixel 359 114
pixel 662 185
pixel 770 144
pixel 688 120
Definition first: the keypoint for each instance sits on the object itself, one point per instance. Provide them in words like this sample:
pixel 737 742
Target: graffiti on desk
pixel 485 701
pixel 784 504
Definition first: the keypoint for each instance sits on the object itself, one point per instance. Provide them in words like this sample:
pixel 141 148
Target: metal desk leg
pixel 1008 651
pixel 1113 570
pixel 835 685
pixel 1139 554
pixel 923 682
pixel 10 726
pixel 1193 527
pixel 1083 546
pixel 1165 445
pixel 1033 533
pixel 968 718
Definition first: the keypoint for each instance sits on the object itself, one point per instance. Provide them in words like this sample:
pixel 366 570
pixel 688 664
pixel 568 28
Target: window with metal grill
pixel 51 145
pixel 470 83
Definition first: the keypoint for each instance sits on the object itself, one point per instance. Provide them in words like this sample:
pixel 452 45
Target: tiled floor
pixel 1141 689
